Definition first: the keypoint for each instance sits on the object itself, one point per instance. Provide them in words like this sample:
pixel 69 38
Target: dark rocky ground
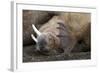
pixel 29 54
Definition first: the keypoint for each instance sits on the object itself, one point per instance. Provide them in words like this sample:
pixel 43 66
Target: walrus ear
pixel 36 30
pixel 33 37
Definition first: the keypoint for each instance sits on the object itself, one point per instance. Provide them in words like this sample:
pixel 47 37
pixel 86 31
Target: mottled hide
pixel 64 31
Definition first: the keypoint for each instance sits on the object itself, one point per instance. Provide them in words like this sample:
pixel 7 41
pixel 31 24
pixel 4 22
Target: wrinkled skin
pixel 62 33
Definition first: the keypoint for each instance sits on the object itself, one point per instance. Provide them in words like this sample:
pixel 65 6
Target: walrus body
pixel 62 32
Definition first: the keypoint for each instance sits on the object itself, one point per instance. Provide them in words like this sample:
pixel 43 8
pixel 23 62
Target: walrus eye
pixel 50 39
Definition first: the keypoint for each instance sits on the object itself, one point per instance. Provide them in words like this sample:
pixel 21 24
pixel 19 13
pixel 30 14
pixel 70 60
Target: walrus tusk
pixel 34 38
pixel 36 30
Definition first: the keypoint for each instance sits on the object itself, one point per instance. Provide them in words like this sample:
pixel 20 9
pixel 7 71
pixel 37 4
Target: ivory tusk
pixel 34 38
pixel 36 30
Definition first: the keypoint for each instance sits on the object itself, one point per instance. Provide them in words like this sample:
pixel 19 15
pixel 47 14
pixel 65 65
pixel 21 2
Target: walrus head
pixel 43 41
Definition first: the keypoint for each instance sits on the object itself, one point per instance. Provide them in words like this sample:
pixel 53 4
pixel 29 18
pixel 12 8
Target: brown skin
pixel 62 32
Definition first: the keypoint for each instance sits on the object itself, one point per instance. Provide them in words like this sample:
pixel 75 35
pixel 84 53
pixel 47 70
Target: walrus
pixel 62 32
